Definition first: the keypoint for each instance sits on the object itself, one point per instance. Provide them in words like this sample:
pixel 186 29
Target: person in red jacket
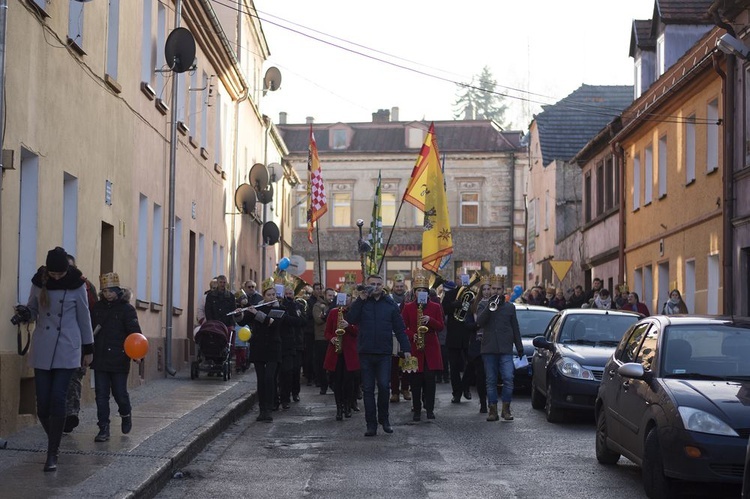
pixel 342 365
pixel 636 305
pixel 425 313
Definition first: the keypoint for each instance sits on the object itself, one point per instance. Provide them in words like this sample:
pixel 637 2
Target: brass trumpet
pixel 466 297
pixel 495 302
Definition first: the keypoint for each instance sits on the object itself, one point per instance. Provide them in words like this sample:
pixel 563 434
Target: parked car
pixel 569 359
pixel 675 400
pixel 532 321
pixel 746 474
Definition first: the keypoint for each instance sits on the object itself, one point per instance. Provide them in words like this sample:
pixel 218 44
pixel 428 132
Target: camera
pixel 22 315
pixel 368 289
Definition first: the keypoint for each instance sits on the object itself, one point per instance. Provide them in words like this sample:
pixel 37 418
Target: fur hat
pixel 57 260
pixel 109 280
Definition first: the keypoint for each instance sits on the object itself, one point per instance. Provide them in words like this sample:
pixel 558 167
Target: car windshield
pixel 533 322
pixel 596 329
pixel 706 351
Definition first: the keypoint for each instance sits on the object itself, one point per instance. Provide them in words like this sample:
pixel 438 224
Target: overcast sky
pixel 539 51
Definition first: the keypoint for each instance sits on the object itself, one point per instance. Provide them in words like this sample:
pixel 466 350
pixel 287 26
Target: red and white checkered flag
pixel 316 191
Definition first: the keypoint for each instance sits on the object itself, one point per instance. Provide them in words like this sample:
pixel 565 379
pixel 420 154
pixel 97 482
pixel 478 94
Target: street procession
pixel 243 252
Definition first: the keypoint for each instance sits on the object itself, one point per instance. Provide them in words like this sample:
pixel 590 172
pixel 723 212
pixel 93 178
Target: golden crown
pixel 497 280
pixel 484 281
pixel 109 280
pixel 398 277
pixel 267 284
pixel 420 281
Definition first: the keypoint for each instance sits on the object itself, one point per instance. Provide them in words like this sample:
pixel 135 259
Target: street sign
pixel 561 267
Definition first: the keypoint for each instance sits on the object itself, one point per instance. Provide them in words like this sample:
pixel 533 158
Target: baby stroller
pixel 214 342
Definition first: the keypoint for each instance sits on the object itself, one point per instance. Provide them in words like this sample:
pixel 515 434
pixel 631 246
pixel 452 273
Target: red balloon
pixel 136 346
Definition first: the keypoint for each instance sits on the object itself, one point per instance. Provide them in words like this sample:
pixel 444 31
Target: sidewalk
pixel 173 420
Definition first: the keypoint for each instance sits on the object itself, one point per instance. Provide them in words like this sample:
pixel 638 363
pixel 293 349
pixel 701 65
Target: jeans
pixel 51 391
pixel 375 369
pixel 494 364
pixel 116 383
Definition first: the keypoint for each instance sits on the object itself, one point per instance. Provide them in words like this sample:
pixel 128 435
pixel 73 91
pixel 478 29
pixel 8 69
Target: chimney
pixel 381 116
pixel 469 112
pixel 282 118
pixel 309 120
pixel 394 114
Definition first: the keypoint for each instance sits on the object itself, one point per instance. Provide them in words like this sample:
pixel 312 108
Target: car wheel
pixel 554 414
pixel 603 454
pixel 537 399
pixel 655 482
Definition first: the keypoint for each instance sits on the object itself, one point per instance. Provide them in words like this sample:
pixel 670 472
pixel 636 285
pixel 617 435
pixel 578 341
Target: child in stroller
pixel 214 342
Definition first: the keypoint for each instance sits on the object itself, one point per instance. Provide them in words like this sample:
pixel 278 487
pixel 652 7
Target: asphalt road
pixel 304 452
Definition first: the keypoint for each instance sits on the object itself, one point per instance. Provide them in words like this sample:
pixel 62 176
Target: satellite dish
pixel 259 177
pixel 272 80
pixel 265 196
pixel 179 50
pixel 245 199
pixel 270 233
pixel 297 265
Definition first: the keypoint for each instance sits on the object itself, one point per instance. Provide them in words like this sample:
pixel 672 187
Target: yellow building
pixel 671 153
pixel 87 157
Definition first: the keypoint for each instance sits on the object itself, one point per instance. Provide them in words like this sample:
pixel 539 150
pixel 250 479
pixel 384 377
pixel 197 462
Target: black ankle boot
pixel 103 435
pixel 127 424
pixel 53 442
pixel 339 412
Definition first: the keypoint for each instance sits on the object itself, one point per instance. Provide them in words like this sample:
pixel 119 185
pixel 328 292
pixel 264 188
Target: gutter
pixel 619 154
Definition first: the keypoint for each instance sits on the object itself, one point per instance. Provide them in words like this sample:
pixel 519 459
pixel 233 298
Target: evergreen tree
pixel 481 99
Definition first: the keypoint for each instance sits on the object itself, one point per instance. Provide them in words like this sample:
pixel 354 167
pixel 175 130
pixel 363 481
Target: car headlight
pixel 704 422
pixel 572 369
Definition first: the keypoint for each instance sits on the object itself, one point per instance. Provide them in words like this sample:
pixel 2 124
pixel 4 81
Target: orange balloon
pixel 136 346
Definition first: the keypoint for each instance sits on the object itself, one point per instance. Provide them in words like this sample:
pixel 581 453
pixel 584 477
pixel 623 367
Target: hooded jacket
pixel 63 331
pixel 117 320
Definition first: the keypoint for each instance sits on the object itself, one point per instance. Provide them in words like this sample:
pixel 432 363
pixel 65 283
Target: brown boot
pixel 493 413
pixel 505 412
pixel 406 394
pixel 394 397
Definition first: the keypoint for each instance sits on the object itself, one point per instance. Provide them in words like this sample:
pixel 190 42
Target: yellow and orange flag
pixel 317 205
pixel 426 191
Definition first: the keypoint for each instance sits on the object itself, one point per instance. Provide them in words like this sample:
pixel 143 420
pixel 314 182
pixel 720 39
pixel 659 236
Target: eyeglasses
pixel 250 286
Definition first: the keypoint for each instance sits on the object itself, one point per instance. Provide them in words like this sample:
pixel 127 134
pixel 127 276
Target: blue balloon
pixel 284 263
pixel 517 290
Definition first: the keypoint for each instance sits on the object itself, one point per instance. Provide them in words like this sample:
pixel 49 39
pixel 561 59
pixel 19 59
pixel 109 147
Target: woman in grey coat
pixel 62 341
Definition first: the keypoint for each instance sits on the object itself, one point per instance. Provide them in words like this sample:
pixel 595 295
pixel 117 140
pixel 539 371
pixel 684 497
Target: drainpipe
pixel 619 155
pixel 512 213
pixel 727 249
pixel 3 31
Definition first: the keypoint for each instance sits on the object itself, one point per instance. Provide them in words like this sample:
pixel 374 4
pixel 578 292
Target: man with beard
pixel 399 379
pixel 221 302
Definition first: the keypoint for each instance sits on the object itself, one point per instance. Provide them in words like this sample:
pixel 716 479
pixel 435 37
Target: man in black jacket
pixel 457 343
pixel 220 302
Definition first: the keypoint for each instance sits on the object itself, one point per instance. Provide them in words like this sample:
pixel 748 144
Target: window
pixel 177 263
pixel 609 185
pixel 301 209
pixel 214 259
pixel 636 183
pixel 638 70
pixel 616 195
pixel 418 217
pixel 217 130
pixel 690 149
pixel 630 348
pixel 70 213
pixel 199 266
pixel 712 136
pixel 712 297
pixel 469 208
pixel 142 251
pixel 746 98
pixel 157 238
pixel 193 91
pixel 587 197
pixel 647 296
pixel 204 112
pixel 28 220
pixel 648 176
pixel 339 139
pixel 648 350
pixel 75 23
pixel 388 208
pixel 546 210
pixel 161 39
pixel 689 292
pixel 113 35
pixel 42 4
pixel 662 166
pixel 599 188
pixel 147 49
pixel 342 209
pixel 660 62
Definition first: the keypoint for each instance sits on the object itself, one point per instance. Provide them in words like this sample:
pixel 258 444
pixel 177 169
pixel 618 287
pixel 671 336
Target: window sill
pixel 75 47
pixel 646 204
pixel 204 153
pixel 156 307
pixel 161 106
pixel 193 142
pixel 662 196
pixel 112 83
pixel 182 128
pixel 176 311
pixel 142 305
pixel 223 175
pixel 714 170
pixel 148 91
pixel 42 12
pixel 690 182
pixel 217 167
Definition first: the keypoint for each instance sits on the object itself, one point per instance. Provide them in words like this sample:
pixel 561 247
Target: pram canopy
pixel 213 331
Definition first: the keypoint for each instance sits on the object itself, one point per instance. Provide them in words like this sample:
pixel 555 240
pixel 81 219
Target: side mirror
pixel 540 342
pixel 635 371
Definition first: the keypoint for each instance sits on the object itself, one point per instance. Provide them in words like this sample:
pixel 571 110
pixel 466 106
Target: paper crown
pixel 398 277
pixel 484 281
pixel 109 280
pixel 420 281
pixel 350 283
pixel 267 284
pixel 497 280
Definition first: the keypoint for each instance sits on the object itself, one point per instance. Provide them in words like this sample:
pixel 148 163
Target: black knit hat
pixel 57 260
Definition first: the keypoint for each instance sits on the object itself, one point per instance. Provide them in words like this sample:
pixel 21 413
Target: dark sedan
pixel 569 359
pixel 675 399
pixel 532 321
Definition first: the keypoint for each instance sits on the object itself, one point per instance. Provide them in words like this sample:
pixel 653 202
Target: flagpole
pixel 388 242
pixel 317 237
